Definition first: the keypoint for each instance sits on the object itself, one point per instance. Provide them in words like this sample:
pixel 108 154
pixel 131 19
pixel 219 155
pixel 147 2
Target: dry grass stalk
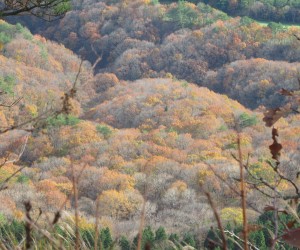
pixel 2 247
pixel 75 193
pixel 97 227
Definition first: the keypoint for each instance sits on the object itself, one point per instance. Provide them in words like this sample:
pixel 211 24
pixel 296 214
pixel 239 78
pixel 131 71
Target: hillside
pixel 191 42
pixel 152 125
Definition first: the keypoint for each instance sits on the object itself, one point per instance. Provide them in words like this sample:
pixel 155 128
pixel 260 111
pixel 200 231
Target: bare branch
pixel 21 152
pixel 232 234
pixel 46 10
pixel 12 104
pixel 217 217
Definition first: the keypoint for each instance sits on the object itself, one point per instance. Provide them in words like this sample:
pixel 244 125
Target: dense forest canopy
pixel 126 114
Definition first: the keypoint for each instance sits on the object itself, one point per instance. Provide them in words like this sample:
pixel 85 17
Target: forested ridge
pixel 268 10
pixel 127 114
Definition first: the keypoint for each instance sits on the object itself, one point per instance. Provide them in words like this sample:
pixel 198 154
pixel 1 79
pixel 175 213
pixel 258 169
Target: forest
pixel 150 124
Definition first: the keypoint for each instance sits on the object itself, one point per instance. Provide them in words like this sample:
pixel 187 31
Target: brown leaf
pixel 273 115
pixel 253 228
pixel 275 150
pixel 275 147
pixel 294 203
pixel 269 208
pixel 274 133
pixel 290 224
pixel 285 92
pixel 292 237
pixel 147 246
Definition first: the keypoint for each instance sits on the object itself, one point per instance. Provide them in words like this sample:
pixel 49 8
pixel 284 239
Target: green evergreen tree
pixel 174 238
pixel 276 27
pixel 244 4
pixel 160 234
pixel 189 240
pixel 183 15
pixel 106 238
pixel 210 239
pixel 246 120
pixel 260 241
pixel 230 242
pixel 124 243
pixel 147 238
pixel 88 237
pixel 222 4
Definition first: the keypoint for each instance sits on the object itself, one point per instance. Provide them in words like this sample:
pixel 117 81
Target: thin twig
pixel 2 187
pixel 77 75
pixel 230 187
pixel 217 217
pixel 243 192
pixel 99 57
pixel 12 104
pixel 21 152
pixel 237 237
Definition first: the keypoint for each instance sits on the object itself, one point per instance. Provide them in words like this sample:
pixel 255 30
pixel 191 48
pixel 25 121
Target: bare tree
pixel 46 9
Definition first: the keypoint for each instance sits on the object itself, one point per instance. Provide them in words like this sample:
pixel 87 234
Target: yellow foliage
pixel 282 123
pixel 18 55
pixel 114 179
pixel 243 45
pixel 265 82
pixel 84 132
pixel 190 5
pixel 214 153
pixel 232 215
pixel 181 186
pixel 147 125
pixel 84 224
pixel 7 170
pixel 3 121
pixel 32 109
pixel 204 175
pixel 198 34
pixel 18 214
pixel 55 64
pixel 119 204
pixel 178 56
pixel 153 100
pixel 263 170
pixel 284 186
pixel 65 187
pixel 169 75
